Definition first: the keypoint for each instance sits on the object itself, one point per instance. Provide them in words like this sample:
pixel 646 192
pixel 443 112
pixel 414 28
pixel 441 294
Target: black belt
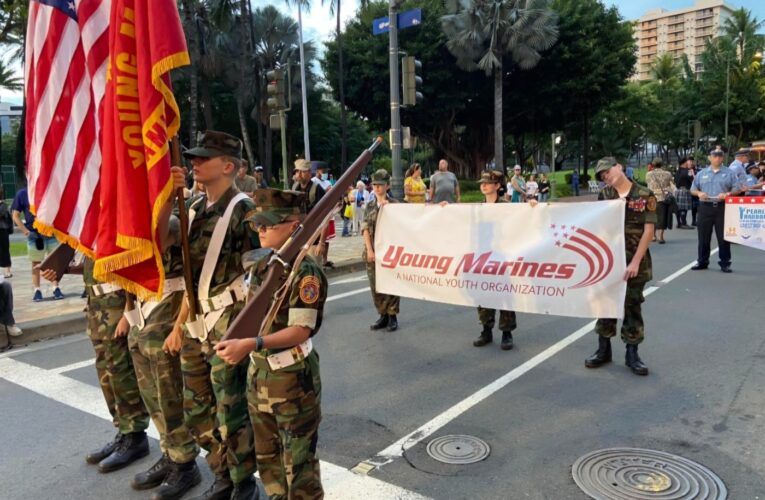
pixel 713 203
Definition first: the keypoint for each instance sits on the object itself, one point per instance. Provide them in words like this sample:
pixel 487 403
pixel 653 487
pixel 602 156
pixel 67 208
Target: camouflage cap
pixel 213 143
pixel 491 176
pixel 302 165
pixel 273 206
pixel 381 178
pixel 604 164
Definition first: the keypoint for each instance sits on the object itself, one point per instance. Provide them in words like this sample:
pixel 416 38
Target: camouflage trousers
pixel 506 319
pixel 632 324
pixel 285 409
pixel 385 304
pixel 215 410
pixel 115 369
pixel 160 380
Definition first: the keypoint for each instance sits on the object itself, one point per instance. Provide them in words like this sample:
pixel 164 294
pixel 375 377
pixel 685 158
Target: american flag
pixel 65 73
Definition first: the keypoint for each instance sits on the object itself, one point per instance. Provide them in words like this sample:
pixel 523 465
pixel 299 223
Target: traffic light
pixel 410 69
pixel 275 90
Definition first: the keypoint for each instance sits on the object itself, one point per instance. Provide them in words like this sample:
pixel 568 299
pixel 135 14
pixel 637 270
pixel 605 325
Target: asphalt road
pixel 537 406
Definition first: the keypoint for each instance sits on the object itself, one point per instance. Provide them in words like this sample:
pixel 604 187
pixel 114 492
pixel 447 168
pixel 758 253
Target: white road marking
pixel 347 294
pixel 47 344
pixel 349 280
pixel 339 483
pixel 73 366
pixel 397 449
pixel 683 270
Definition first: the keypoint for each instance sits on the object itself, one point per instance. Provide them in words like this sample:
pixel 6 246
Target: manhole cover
pixel 634 474
pixel 458 449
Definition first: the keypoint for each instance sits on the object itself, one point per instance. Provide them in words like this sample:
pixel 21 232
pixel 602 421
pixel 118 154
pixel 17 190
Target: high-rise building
pixel 678 32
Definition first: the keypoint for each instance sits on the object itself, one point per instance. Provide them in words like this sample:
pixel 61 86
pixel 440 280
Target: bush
pixel 469 185
pixel 563 190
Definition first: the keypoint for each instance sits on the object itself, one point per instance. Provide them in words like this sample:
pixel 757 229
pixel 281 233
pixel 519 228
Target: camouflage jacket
pixel 240 238
pixel 304 303
pixel 639 210
pixel 114 300
pixel 369 222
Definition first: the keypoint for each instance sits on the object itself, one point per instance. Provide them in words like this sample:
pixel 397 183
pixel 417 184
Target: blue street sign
pixel 405 20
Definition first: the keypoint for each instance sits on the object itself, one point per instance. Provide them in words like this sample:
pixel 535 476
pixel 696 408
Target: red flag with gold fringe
pixel 140 115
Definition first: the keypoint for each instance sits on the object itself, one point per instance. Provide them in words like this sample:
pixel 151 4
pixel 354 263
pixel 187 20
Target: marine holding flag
pixel 140 115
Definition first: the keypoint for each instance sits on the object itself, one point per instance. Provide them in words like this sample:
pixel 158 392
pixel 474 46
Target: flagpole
pixel 183 215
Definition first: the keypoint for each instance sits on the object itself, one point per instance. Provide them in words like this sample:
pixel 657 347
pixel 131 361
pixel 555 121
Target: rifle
pixel 247 323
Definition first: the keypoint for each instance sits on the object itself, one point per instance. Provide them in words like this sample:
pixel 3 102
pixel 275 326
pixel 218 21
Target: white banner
pixel 565 259
pixel 745 221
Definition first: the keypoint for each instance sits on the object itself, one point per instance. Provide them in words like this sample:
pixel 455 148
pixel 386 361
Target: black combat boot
pixel 220 490
pixel 392 323
pixel 484 338
pixel 154 476
pixel 507 341
pixel 381 323
pixel 633 360
pixel 182 478
pixel 245 490
pixel 132 447
pixel 96 456
pixel 602 355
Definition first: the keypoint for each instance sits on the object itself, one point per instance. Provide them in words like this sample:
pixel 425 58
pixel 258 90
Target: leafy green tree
pixel 8 80
pixel 334 8
pixel 480 33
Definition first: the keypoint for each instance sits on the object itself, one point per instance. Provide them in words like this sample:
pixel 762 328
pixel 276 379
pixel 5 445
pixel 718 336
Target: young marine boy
pixel 639 222
pixel 491 181
pixel 284 384
pixel 215 400
pixel 161 383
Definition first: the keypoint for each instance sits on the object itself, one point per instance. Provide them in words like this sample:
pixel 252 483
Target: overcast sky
pixel 318 23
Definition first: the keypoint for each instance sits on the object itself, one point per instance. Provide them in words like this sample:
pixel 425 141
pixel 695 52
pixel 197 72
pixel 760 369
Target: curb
pixel 69 324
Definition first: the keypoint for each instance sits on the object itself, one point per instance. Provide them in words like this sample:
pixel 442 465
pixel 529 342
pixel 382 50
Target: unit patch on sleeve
pixel 309 289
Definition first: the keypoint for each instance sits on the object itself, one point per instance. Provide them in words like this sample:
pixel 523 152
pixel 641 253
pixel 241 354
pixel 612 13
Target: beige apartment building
pixel 678 32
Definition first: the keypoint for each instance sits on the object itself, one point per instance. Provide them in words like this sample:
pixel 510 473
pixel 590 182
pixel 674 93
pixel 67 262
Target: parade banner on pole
pixel 563 259
pixel 140 115
pixel 745 221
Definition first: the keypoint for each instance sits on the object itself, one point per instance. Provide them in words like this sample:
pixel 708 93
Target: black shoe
pixel 507 341
pixel 246 490
pixel 220 490
pixel 484 338
pixel 182 478
pixel 699 267
pixel 381 323
pixel 154 476
pixel 633 360
pixel 726 269
pixel 132 447
pixel 392 323
pixel 602 355
pixel 96 456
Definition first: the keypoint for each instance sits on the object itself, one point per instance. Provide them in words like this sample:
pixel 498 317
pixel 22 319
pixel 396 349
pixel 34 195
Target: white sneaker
pixel 14 331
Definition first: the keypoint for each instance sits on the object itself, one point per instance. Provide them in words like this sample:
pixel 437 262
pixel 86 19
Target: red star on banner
pixel 557 243
pixel 573 228
pixel 563 226
pixel 565 235
pixel 552 226
pixel 555 235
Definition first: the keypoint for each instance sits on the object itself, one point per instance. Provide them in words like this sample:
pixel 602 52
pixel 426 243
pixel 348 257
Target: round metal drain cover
pixel 458 449
pixel 635 474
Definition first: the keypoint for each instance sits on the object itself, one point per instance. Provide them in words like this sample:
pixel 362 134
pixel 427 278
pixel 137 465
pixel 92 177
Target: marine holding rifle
pixel 284 384
pixel 215 404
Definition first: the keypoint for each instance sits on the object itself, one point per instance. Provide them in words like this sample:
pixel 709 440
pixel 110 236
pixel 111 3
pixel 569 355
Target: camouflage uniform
pixel 487 316
pixel 285 405
pixel 385 304
pixel 640 209
pixel 214 396
pixel 159 373
pixel 113 364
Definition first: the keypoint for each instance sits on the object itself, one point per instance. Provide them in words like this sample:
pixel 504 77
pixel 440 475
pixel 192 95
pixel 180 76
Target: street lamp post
pixel 727 99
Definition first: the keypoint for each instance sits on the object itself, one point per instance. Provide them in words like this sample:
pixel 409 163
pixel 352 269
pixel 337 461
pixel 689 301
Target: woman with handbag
pixel 660 182
pixel 6 228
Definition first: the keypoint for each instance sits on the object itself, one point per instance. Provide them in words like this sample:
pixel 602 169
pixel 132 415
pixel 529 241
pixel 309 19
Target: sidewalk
pixel 53 318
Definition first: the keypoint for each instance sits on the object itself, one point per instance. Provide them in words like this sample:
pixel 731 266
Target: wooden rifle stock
pixel 247 323
pixel 58 260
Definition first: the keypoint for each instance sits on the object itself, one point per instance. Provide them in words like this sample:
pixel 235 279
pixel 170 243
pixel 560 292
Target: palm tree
pixel 334 8
pixel 303 4
pixel 480 33
pixel 742 28
pixel 664 69
pixel 8 80
pixel 189 17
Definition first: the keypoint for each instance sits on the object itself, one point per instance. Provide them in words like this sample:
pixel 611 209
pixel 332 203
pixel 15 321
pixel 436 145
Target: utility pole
pixel 395 105
pixel 727 97
pixel 303 86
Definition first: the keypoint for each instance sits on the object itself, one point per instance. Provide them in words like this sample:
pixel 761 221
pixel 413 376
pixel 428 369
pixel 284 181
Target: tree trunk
pixel 586 139
pixel 206 101
pixel 243 127
pixel 188 15
pixel 21 155
pixel 341 90
pixel 268 159
pixel 499 161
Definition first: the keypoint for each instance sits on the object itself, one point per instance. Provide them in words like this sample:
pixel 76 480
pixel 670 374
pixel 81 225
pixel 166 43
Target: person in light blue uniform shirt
pixel 738 166
pixel 712 186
